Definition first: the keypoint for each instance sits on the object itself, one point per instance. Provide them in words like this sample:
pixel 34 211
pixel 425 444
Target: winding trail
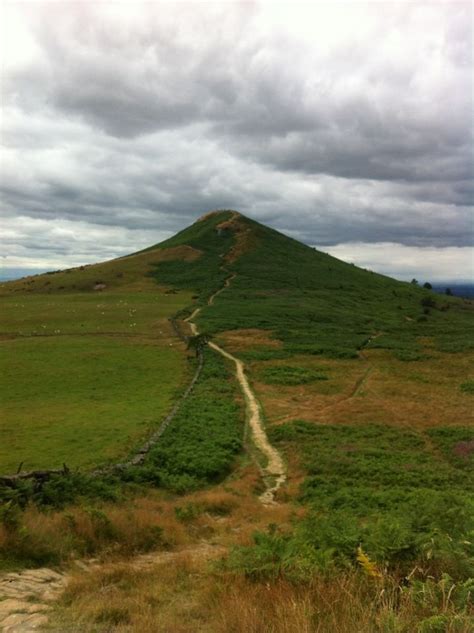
pixel 26 597
pixel 274 472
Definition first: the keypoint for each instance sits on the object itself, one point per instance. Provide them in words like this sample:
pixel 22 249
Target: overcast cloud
pixel 348 126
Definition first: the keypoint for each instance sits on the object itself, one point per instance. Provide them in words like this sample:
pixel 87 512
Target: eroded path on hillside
pixel 274 471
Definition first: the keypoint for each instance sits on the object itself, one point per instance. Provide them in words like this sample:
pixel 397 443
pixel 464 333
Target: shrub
pixel 467 387
pixel 428 302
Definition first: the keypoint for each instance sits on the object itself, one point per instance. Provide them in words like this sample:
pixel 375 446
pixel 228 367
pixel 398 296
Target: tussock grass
pixel 289 375
pixel 33 537
pixel 187 597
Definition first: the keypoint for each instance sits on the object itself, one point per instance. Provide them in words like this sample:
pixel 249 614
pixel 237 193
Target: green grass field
pixel 85 376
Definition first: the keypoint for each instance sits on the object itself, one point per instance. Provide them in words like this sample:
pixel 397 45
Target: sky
pixel 347 125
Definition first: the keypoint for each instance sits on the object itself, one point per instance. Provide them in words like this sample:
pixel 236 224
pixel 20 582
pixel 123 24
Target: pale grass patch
pixel 112 529
pixel 121 598
pixel 426 392
pixel 247 339
pixel 217 502
pixel 186 597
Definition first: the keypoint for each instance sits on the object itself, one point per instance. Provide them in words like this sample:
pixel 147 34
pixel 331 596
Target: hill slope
pixel 310 301
pixel 376 494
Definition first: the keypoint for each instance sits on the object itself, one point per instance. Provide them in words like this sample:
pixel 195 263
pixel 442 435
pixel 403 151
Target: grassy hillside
pixel 125 274
pixel 366 387
pixel 103 325
pixel 312 302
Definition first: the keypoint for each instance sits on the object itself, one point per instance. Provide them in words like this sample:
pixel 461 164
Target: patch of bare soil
pixel 183 252
pixel 243 234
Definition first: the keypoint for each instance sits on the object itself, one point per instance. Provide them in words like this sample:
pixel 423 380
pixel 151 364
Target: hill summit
pixel 309 301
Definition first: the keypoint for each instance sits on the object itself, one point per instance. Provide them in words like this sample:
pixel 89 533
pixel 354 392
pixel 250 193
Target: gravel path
pixel 274 470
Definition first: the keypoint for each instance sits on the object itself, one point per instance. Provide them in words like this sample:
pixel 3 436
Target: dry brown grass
pixel 121 598
pixel 231 512
pixel 346 604
pixel 108 530
pixel 188 597
pixel 284 402
pixel 419 395
pixel 225 515
pixel 236 341
pixel 124 274
pixel 3 537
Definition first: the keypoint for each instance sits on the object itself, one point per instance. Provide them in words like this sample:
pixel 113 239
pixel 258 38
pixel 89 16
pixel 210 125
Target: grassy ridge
pixel 311 301
pixel 205 275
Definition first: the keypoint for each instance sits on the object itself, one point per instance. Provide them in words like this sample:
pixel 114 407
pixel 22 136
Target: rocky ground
pixel 25 599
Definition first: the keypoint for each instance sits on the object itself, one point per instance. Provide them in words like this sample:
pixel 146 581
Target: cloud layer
pixel 334 123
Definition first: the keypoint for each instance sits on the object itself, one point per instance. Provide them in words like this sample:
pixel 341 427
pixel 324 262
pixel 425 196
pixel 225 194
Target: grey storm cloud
pixel 334 126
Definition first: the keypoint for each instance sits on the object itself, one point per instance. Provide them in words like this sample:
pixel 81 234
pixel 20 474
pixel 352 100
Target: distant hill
pixel 465 290
pixel 311 302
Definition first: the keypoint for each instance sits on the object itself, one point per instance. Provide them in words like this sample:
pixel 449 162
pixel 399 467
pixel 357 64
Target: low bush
pixel 62 490
pixel 467 387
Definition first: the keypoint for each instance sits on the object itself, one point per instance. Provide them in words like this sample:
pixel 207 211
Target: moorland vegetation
pixel 373 531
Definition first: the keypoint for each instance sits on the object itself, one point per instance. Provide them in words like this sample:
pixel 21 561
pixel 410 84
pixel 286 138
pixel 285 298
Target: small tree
pixel 427 285
pixel 449 292
pixel 414 282
pixel 428 302
pixel 198 342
